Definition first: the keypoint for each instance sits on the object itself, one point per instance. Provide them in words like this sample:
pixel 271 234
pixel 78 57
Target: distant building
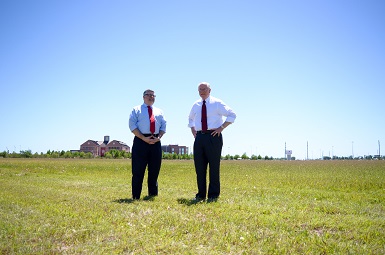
pixel 175 149
pixel 99 148
pixel 288 154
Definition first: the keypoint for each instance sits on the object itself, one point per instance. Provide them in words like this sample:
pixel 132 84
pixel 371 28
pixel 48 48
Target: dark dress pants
pixel 145 155
pixel 207 151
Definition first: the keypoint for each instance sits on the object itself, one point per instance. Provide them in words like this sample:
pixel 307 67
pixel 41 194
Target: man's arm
pixel 193 131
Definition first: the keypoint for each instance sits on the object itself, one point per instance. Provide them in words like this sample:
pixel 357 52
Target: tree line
pixel 113 154
pixel 118 154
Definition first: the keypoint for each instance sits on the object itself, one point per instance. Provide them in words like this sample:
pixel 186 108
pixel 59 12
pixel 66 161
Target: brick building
pixel 99 148
pixel 175 149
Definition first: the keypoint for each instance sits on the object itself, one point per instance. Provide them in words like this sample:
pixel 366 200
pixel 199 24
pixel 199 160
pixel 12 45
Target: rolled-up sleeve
pixel 191 118
pixel 163 123
pixel 133 120
pixel 228 113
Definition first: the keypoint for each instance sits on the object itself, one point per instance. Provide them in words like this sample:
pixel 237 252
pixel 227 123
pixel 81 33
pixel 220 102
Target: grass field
pixel 266 207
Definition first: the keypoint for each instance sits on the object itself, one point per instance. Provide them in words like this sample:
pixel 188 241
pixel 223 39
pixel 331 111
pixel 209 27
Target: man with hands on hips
pixel 206 123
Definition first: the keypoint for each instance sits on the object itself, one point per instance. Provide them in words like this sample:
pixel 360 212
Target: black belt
pixel 147 135
pixel 206 132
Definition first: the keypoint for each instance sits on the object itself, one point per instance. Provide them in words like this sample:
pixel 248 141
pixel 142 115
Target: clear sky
pixel 293 71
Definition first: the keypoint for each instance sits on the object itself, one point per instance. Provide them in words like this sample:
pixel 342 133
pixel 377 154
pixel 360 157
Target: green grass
pixel 266 207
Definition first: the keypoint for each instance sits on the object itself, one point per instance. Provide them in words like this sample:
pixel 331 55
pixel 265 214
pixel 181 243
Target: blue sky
pixel 295 72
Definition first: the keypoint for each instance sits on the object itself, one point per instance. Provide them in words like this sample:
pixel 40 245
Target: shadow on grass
pixel 193 201
pixel 124 200
pixel 149 198
pixel 130 200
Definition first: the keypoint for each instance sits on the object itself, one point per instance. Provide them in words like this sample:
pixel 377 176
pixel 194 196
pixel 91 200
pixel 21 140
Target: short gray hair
pixel 204 83
pixel 146 91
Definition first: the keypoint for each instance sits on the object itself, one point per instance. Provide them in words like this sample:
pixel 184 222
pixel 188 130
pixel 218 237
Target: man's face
pixel 204 91
pixel 149 98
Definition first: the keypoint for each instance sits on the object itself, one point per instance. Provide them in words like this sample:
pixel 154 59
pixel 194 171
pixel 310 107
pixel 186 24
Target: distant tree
pixel 115 153
pixel 67 154
pixel 244 156
pixel 26 154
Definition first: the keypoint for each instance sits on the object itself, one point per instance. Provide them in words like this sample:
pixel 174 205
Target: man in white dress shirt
pixel 208 139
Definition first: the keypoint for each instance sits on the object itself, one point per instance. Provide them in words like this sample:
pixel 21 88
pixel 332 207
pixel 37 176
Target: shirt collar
pixel 145 105
pixel 207 99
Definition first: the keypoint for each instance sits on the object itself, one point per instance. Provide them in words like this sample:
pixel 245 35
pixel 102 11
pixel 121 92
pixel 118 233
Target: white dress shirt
pixel 216 110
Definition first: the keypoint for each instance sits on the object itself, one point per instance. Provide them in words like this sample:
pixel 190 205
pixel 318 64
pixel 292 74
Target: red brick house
pixel 117 145
pixel 99 148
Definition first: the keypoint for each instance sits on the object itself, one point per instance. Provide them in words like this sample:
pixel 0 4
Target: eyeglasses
pixel 150 95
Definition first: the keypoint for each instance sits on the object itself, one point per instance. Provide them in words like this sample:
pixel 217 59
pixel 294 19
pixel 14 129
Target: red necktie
pixel 204 116
pixel 152 120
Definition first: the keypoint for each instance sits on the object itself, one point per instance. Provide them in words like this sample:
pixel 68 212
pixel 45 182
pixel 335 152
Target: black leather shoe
pixel 212 199
pixel 198 199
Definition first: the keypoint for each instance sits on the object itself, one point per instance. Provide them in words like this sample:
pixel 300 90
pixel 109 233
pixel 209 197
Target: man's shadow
pixel 124 201
pixel 130 200
pixel 193 201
